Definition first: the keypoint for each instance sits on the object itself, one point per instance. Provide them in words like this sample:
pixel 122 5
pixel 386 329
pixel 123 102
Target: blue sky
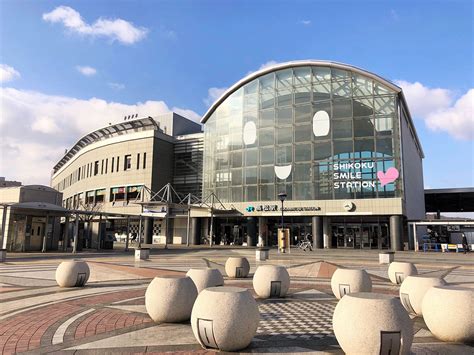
pixel 181 54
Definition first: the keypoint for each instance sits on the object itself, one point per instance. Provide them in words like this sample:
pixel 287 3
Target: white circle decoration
pixel 250 133
pixel 321 124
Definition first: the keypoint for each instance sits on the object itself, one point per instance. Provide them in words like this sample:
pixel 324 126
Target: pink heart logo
pixel 386 178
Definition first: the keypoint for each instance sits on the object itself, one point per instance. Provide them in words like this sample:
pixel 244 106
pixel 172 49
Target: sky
pixel 70 67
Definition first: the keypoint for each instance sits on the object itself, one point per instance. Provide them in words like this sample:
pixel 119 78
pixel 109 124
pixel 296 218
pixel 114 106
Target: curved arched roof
pixel 293 64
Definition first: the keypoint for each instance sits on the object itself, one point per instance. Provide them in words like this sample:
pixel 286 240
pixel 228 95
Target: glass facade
pixel 315 132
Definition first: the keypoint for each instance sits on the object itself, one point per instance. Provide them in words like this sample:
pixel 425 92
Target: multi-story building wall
pixel 112 168
pixel 337 140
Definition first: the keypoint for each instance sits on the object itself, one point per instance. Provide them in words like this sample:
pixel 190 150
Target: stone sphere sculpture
pixel 170 299
pixel 237 267
pixel 346 281
pixel 271 281
pixel 398 271
pixel 448 312
pixel 225 318
pixel 414 288
pixel 205 277
pixel 72 273
pixel 371 323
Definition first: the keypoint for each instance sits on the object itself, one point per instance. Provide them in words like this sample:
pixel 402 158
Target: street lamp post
pixel 282 197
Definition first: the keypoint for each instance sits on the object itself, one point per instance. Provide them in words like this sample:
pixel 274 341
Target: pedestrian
pixel 465 245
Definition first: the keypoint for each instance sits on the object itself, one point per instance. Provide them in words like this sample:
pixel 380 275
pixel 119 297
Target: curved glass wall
pixel 315 132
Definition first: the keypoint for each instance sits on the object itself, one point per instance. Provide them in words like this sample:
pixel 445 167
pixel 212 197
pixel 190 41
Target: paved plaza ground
pixel 109 316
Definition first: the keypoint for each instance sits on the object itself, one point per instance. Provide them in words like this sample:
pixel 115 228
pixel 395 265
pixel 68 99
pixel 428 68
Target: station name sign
pixel 275 208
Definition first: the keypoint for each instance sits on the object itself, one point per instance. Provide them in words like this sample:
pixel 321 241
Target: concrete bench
pixel 271 281
pixel 225 318
pixel 398 271
pixel 414 288
pixel 371 323
pixel 205 277
pixel 346 281
pixel 72 273
pixel 170 299
pixel 448 312
pixel 237 267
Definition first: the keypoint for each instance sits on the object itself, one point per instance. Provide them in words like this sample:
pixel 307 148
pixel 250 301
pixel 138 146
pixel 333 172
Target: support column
pixel 169 230
pixel 251 231
pixel 148 230
pixel 76 235
pixel 99 233
pixel 4 227
pixel 45 233
pixel 327 236
pixel 262 231
pixel 195 233
pixel 128 234
pixel 317 230
pixel 396 233
pixel 66 234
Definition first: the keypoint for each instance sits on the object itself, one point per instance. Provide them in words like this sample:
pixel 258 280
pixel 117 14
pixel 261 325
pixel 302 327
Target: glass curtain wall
pixel 315 132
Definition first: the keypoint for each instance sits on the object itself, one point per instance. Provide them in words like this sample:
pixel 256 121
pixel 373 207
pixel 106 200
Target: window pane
pixel 284 116
pixel 303 114
pixel 251 157
pixel 303 152
pixel 267 174
pixel 362 107
pixel 302 76
pixel 250 176
pixel 266 137
pixel 267 192
pixel 302 172
pixel 284 154
pixel 303 133
pixel 321 73
pixel 342 149
pixel 341 88
pixel 384 146
pixel 251 88
pixel 303 191
pixel 342 108
pixel 322 151
pixel 267 118
pixel 284 97
pixel 362 85
pixel 302 95
pixel 363 127
pixel 266 156
pixel 284 78
pixel 236 194
pixel 384 104
pixel 364 148
pixel 384 125
pixel 251 193
pixel 237 159
pixel 236 177
pixel 342 129
pixel 284 135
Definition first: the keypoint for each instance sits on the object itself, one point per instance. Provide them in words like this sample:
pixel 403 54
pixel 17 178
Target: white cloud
pixel 8 73
pixel 30 146
pixel 86 71
pixel 440 109
pixel 213 94
pixel 305 22
pixel 115 29
pixel 270 63
pixel 116 86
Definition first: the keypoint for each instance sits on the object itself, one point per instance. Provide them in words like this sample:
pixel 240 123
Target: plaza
pixel 109 315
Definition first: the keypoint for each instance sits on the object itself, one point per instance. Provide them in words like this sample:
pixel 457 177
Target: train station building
pixel 337 140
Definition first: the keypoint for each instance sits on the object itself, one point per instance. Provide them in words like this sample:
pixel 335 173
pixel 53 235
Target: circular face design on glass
pixel 321 124
pixel 250 133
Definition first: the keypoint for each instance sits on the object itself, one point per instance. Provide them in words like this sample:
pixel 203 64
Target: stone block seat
pixel 448 312
pixel 414 288
pixel 271 281
pixel 72 273
pixel 237 267
pixel 170 299
pixel 398 271
pixel 372 323
pixel 346 281
pixel 205 277
pixel 225 318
